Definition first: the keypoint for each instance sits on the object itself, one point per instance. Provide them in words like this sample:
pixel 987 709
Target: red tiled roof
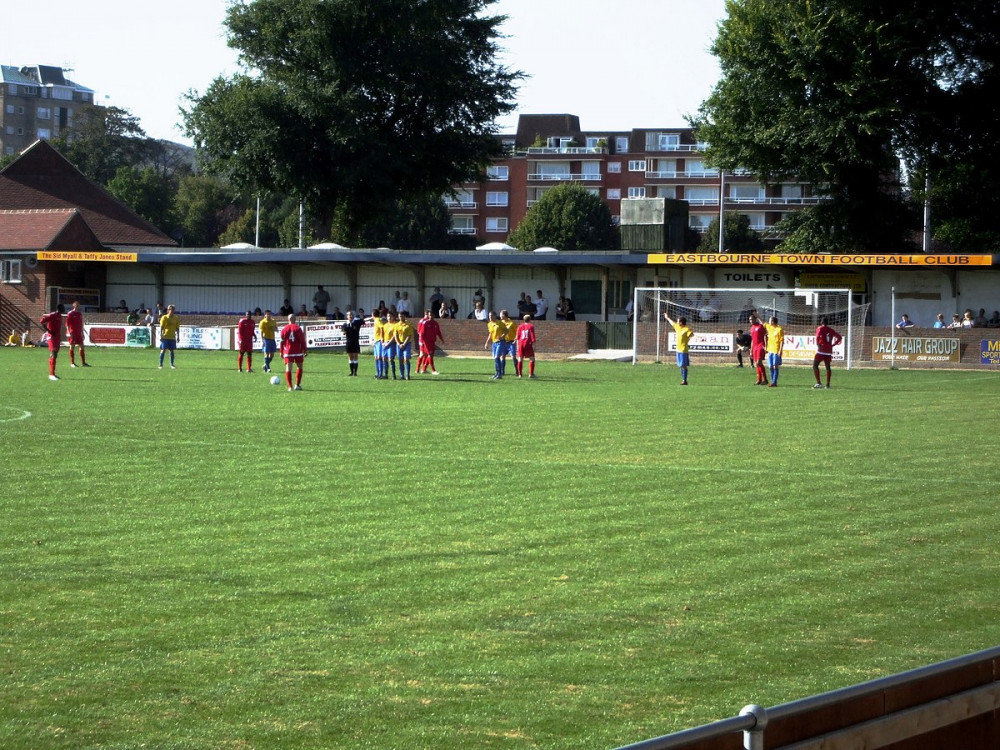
pixel 52 229
pixel 42 179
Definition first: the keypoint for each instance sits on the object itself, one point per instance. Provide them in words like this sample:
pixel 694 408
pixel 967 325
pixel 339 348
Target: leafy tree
pixel 568 218
pixel 420 224
pixel 243 229
pixel 355 105
pixel 204 206
pixel 99 140
pixel 739 236
pixel 147 192
pixel 835 91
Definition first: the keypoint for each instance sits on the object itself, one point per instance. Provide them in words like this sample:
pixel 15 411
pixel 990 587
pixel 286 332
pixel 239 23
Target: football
pixel 275 380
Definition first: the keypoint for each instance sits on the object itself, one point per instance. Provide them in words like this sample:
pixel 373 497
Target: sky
pixel 619 65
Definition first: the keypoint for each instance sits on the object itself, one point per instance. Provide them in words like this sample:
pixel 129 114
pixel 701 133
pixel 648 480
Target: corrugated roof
pixel 42 178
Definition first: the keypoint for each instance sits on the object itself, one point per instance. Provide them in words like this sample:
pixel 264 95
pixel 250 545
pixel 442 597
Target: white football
pixel 275 380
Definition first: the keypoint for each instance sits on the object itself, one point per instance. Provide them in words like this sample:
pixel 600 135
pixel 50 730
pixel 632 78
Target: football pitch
pixel 195 558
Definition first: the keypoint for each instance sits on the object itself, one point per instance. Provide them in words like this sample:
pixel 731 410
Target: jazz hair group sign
pixel 816 259
pixel 916 349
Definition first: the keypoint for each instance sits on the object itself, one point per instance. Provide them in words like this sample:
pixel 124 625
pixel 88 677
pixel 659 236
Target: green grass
pixel 197 559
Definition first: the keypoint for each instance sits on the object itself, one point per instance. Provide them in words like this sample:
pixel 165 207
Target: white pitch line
pixel 22 414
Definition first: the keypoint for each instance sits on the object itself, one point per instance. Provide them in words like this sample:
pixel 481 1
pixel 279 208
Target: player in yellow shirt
pixel 170 324
pixel 377 343
pixel 389 348
pixel 403 333
pixel 496 338
pixel 510 345
pixel 775 348
pixel 269 345
pixel 684 334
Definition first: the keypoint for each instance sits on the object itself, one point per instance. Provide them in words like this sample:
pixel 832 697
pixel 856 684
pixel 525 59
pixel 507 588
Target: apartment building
pixel 552 149
pixel 37 102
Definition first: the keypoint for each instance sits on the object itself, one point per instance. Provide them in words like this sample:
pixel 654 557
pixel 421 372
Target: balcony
pixel 776 201
pixel 462 230
pixel 675 147
pixel 567 150
pixel 567 177
pixel 461 204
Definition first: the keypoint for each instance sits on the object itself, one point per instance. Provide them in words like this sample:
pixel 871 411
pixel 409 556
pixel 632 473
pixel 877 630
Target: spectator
pixel 435 302
pixel 160 310
pixel 994 321
pixel 122 307
pixel 570 312
pixel 541 306
pixel 286 309
pixel 403 303
pixel 336 314
pixel 13 339
pixel 905 322
pixel 453 306
pixel 321 300
pixel 980 320
pixel 529 307
pixel 26 338
pixel 444 311
pixel 629 310
pixel 303 312
pixel 522 306
pixel 967 320
pixel 480 312
pixel 478 297
pixel 939 321
pixel 132 319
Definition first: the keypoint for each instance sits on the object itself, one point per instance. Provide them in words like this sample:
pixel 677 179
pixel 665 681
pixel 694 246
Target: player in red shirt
pixel 74 331
pixel 526 347
pixel 826 339
pixel 293 349
pixel 246 329
pixel 52 323
pixel 758 348
pixel 428 332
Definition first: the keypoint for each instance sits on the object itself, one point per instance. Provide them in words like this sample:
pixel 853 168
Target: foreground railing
pixel 873 729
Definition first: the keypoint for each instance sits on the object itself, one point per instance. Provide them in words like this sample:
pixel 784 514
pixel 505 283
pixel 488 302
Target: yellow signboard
pixel 816 259
pixel 101 256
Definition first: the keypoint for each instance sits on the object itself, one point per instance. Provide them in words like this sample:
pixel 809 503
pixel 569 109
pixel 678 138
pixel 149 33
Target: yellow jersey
pixel 403 333
pixel 684 334
pixel 775 338
pixel 389 332
pixel 498 331
pixel 268 328
pixel 511 329
pixel 169 325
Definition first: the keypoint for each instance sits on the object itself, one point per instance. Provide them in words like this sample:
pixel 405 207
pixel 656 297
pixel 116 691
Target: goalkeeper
pixel 742 342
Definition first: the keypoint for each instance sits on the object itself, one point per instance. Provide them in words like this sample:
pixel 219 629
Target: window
pixel 702 196
pixel 10 271
pixel 461 199
pixel 637 165
pixel 746 192
pixel 791 191
pixel 496 224
pixel 10 130
pixel 591 170
pixel 614 194
pixel 496 198
pixel 44 134
pixel 614 167
pixel 8 150
pixel 10 109
pixel 662 141
pixel 697 168
pixel 621 144
pixel 462 225
pixel 44 113
pixel 637 192
pixel 498 173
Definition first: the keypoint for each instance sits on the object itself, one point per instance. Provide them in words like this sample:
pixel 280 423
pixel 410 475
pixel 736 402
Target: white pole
pixel 722 209
pixel 256 236
pixel 850 326
pixel 302 223
pixel 927 213
pixel 635 325
pixel 892 322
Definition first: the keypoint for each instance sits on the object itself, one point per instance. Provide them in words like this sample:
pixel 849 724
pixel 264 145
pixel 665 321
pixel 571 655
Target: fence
pixel 951 704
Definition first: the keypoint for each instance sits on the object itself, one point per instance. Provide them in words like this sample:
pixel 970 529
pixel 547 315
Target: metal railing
pixel 753 719
pixel 566 176
pixel 567 150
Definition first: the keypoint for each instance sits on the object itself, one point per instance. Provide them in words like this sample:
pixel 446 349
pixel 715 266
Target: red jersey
pixel 758 335
pixel 246 329
pixel 826 339
pixel 293 341
pixel 74 323
pixel 525 334
pixel 52 323
pixel 428 331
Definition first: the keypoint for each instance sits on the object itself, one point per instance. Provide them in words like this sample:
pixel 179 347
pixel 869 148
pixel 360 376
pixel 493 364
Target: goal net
pixel 715 316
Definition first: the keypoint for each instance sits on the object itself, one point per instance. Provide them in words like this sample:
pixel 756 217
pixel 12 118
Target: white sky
pixel 619 65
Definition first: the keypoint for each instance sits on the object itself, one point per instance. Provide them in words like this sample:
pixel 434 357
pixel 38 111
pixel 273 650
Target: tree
pixel 568 218
pixel 836 91
pixel 147 192
pixel 204 206
pixel 739 236
pixel 99 140
pixel 418 224
pixel 355 106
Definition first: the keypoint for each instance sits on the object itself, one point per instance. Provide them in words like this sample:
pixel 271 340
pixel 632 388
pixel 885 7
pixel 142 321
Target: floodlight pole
pixel 892 322
pixel 722 209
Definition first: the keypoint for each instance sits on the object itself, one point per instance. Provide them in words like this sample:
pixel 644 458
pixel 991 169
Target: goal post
pixel 716 314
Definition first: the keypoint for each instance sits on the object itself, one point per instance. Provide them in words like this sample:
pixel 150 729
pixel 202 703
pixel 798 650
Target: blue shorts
pixel 683 359
pixel 377 349
pixel 773 360
pixel 269 346
pixel 499 349
pixel 170 344
pixel 389 349
pixel 404 350
pixel 510 348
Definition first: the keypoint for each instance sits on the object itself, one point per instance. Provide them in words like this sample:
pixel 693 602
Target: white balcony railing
pixel 462 230
pixel 461 204
pixel 572 177
pixel 567 150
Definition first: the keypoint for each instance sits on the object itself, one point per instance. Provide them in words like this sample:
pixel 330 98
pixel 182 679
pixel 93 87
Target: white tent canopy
pixel 496 246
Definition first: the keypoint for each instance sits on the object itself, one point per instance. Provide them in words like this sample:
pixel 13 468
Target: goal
pixel 716 314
